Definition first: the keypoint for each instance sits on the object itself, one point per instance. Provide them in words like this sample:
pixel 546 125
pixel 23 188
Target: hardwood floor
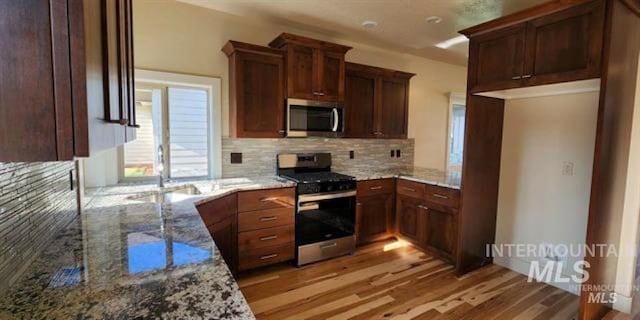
pixel 387 281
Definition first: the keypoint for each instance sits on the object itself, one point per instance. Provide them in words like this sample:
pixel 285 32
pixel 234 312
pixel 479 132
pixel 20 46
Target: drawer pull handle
pixel 335 244
pixel 441 196
pixel 268 199
pixel 268 218
pixel 375 188
pixel 423 207
pixel 526 76
pixel 269 256
pixel 272 237
pixel 516 78
pixel 409 189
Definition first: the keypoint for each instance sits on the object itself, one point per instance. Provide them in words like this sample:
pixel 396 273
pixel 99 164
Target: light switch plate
pixel 567 168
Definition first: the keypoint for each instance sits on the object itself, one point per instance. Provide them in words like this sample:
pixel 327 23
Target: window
pixel 455 143
pixel 188 133
pixel 177 134
pixel 182 138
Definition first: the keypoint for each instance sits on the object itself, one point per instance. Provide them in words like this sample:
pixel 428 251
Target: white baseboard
pixel 622 304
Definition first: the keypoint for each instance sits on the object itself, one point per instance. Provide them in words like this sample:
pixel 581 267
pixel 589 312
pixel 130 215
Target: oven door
pixel 312 118
pixel 326 216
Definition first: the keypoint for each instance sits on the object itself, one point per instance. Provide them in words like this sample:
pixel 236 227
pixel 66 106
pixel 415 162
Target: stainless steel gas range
pixel 325 206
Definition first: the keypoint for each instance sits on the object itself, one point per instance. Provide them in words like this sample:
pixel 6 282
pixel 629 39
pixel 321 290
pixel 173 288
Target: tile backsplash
pixel 259 155
pixel 36 202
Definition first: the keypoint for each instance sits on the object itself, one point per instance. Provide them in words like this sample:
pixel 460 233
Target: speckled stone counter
pixel 418 174
pixel 128 258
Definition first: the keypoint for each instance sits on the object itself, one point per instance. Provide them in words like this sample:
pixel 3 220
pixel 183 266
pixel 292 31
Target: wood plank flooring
pixel 387 281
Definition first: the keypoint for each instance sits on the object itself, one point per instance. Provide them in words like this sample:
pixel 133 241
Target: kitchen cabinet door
pixel 359 105
pixel 301 73
pixel 393 109
pixel 36 122
pixel 221 218
pixel 565 46
pixel 496 59
pixel 374 217
pixel 330 76
pixel 441 231
pixel 411 220
pixel 256 91
pixel 225 236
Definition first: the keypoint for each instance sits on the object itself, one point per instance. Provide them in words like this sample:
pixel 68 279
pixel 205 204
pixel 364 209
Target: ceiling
pixel 402 24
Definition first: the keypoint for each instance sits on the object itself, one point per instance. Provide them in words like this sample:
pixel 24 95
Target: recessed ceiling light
pixel 368 24
pixel 434 19
pixel 452 42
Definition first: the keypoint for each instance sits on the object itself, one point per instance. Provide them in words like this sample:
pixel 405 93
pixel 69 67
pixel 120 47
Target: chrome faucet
pixel 160 167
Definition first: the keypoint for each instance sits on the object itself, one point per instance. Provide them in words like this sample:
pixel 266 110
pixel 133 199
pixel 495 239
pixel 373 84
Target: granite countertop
pixel 418 174
pixel 126 258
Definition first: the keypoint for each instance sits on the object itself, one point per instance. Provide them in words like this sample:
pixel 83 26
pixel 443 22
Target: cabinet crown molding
pixel 287 38
pixel 232 47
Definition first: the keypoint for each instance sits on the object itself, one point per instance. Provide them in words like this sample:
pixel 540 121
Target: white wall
pixel 101 169
pixel 177 37
pixel 537 204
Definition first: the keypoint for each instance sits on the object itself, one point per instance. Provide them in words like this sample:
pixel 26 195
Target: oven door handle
pixel 335 120
pixel 325 196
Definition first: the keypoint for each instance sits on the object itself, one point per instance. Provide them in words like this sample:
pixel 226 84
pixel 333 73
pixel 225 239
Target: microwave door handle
pixel 335 120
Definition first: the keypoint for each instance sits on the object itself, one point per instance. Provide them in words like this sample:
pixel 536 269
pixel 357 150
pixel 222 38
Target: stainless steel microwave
pixel 308 118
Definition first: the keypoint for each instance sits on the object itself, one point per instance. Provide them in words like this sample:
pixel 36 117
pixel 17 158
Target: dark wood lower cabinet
pixel 245 239
pixel 221 218
pixel 441 231
pixel 411 220
pixel 225 235
pixel 374 213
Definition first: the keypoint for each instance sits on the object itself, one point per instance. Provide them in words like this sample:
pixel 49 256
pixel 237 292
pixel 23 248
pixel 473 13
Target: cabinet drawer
pixel 266 199
pixel 265 256
pixel 265 219
pixel 443 196
pixel 218 209
pixel 375 187
pixel 410 188
pixel 256 239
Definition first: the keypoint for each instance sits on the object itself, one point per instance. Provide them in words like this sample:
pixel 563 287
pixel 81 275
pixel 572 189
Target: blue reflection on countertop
pixel 156 255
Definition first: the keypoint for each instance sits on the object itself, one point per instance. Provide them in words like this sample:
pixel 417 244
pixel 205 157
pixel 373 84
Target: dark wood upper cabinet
pixel 256 86
pixel 565 46
pixel 44 82
pixel 559 47
pixel 315 69
pixel 376 102
pixel 394 107
pixel 35 82
pixel 360 103
pixel 301 78
pixel 496 60
pixel 331 76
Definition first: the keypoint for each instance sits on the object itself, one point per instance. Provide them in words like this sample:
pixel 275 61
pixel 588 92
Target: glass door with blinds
pixel 174 136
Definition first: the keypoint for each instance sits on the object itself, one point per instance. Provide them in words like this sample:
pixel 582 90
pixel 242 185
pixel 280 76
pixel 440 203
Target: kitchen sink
pixel 165 195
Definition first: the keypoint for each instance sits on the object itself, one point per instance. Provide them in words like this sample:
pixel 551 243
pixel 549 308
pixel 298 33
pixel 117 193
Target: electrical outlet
pixel 236 157
pixel 352 154
pixel 567 168
pixel 398 153
pixel 392 154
